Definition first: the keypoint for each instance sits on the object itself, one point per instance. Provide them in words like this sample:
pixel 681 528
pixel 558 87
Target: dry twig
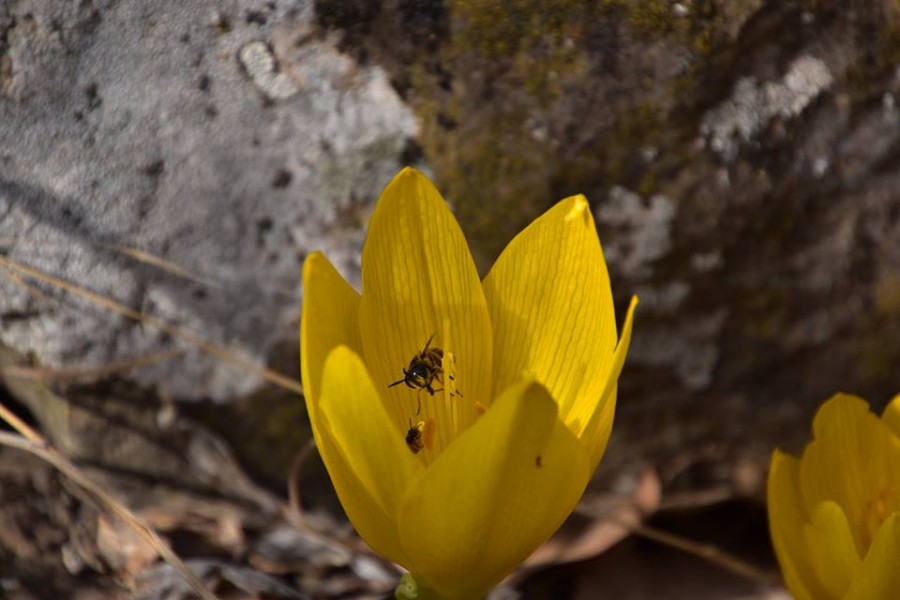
pixel 706 552
pixel 294 474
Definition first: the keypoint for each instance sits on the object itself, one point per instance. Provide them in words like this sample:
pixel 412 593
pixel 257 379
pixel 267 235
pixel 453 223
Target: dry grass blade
pixel 19 425
pixel 165 265
pixel 294 476
pixel 179 271
pixel 32 291
pixel 31 442
pixel 45 373
pixel 707 552
pixel 176 332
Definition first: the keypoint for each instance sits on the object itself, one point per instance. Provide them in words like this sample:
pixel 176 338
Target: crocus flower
pixel 834 513
pixel 461 420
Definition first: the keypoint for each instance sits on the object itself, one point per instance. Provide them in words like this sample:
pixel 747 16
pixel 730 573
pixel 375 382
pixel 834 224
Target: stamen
pixel 877 511
pixel 445 408
pixel 448 365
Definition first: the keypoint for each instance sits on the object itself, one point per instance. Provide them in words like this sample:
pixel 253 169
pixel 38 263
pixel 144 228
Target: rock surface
pixel 228 138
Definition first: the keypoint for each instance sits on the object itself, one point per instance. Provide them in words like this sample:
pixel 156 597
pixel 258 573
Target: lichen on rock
pixel 753 105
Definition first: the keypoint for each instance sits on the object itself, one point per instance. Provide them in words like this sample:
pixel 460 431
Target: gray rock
pixel 753 105
pixel 645 229
pixel 224 137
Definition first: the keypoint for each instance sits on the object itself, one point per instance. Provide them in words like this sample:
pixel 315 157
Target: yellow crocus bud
pixel 834 512
pixel 460 420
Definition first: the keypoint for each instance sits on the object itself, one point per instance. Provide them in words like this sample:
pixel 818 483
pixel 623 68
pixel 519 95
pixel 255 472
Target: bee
pixel 415 437
pixel 423 371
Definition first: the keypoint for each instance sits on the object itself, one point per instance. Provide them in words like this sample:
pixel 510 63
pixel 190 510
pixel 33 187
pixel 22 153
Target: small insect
pixel 415 437
pixel 423 371
pixel 420 435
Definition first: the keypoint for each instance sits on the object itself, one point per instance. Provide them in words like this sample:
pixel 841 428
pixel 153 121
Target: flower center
pixel 437 409
pixel 877 510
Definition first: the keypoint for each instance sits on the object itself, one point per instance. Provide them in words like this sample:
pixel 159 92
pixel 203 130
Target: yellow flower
pixel 459 480
pixel 834 513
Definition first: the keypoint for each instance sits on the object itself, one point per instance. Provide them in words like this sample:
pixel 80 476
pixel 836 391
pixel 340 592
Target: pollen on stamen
pixel 454 416
pixel 449 370
pixel 448 409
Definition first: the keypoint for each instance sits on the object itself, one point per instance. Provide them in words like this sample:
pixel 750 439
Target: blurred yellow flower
pixel 461 420
pixel 834 513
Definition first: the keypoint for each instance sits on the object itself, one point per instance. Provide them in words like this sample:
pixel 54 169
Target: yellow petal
pixel 787 519
pixel 891 415
pixel 857 445
pixel 418 275
pixel 329 319
pixel 838 407
pixel 880 576
pixel 500 490
pixel 365 452
pixel 831 549
pixel 596 433
pixel 552 310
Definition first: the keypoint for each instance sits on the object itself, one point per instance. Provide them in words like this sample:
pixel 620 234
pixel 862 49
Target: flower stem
pixel 410 589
